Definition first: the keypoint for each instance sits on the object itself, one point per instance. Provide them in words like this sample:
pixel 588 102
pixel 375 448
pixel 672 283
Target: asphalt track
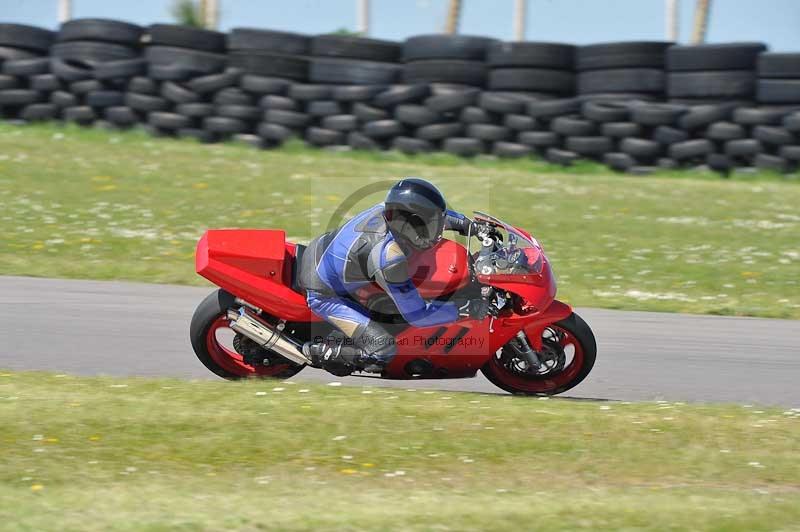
pixel 126 329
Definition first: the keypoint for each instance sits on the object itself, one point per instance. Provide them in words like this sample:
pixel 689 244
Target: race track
pixel 114 328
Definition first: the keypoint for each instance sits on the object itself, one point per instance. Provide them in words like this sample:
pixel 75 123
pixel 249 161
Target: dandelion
pixel 94 438
pixel 347 457
pixel 605 407
pixel 366 391
pixel 755 464
pixel 37 487
pixel 399 473
pixel 367 464
pixel 200 186
pixel 37 437
pixel 261 393
pixel 278 389
pixel 303 390
pixel 348 471
pixel 339 438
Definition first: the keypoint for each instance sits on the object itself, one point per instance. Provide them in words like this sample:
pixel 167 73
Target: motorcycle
pixel 531 343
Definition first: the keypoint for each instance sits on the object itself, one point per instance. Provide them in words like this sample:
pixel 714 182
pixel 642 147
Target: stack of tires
pixel 92 61
pixel 25 79
pixel 345 71
pixel 535 68
pixel 621 70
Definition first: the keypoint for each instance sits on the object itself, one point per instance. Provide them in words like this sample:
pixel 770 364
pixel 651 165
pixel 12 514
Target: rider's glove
pixel 476 309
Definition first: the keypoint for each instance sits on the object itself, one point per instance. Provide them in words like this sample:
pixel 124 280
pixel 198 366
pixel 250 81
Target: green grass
pixel 103 454
pixel 92 204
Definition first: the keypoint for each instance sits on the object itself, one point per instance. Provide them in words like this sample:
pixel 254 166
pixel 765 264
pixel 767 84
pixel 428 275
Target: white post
pixel 520 10
pixel 672 20
pixel 362 17
pixel 212 14
pixel 64 10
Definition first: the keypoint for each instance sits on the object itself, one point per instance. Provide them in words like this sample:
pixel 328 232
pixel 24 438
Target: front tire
pixel 208 320
pixel 571 334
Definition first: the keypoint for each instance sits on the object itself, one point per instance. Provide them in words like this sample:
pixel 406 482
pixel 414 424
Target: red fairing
pixel 253 264
pixel 440 270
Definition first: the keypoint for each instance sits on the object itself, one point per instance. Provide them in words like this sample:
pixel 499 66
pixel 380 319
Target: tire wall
pixel 636 106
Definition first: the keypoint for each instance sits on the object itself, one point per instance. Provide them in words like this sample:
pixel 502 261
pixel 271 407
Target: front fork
pixel 523 348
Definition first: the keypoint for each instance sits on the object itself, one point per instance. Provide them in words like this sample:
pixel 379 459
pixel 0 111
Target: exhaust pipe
pixel 247 323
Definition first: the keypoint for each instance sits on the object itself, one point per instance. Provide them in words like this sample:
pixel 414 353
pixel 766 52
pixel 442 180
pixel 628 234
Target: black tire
pixel 8 53
pixel 773 135
pixel 620 130
pixel 520 122
pixel 324 137
pixel 272 65
pixel 70 71
pixel 667 135
pixel 488 132
pixel 464 47
pixel 264 84
pixel 791 153
pixel 340 122
pixel 324 108
pixel 476 115
pixel 606 111
pixel 464 147
pixel 553 108
pixel 411 146
pixel 63 99
pixel 724 131
pixel 274 132
pixel 352 72
pixel 640 149
pixel 707 57
pixel 170 121
pixel 200 135
pixel 353 47
pixel 224 125
pixel 178 94
pixel 39 112
pixel 719 162
pixel 644 80
pixel 621 162
pixel 532 79
pixel 43 82
pixel 273 101
pixel 104 30
pixel 383 129
pixel 774 163
pixel 83 115
pixel 214 82
pixel 722 84
pixel 779 65
pixel 561 157
pixel 367 113
pixel 13 82
pixel 575 327
pixel 702 115
pixel 657 114
pixel 792 122
pixel 195 110
pixel 278 42
pixel 743 148
pixel 124 68
pixel 26 67
pixel 779 91
pixel 14 97
pixel 511 150
pixel 247 113
pixel 643 54
pixel 171 73
pixel 531 54
pixel 233 96
pixel 208 311
pixel 194 61
pixel 187 37
pixel 105 98
pixel 665 163
pixel 309 92
pixel 761 116
pixel 359 141
pixel 573 127
pixel 437 132
pixel 498 102
pixel 145 102
pixel 121 116
pixel 472 73
pixel 416 115
pixel 143 85
pixel 26 37
pixel 290 119
pixel 453 101
pixel 84 87
pixel 690 149
pixel 356 93
pixel 401 94
pixel 539 139
pixel 589 146
pixel 91 52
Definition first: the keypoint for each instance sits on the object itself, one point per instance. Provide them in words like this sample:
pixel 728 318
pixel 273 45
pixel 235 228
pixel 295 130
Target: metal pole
pixel 362 17
pixel 453 14
pixel 212 14
pixel 671 20
pixel 701 12
pixel 64 10
pixel 520 9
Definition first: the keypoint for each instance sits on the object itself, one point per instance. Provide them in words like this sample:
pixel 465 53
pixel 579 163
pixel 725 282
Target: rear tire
pixel 209 316
pixel 577 333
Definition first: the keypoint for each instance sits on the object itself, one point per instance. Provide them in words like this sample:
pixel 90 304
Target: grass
pixel 90 454
pixel 83 203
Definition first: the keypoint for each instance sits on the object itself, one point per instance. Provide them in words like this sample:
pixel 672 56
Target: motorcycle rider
pixel 374 246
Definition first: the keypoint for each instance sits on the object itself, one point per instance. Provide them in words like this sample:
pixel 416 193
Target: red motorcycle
pixel 255 325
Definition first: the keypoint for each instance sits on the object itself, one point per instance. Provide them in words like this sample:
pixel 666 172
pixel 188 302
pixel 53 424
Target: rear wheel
pixel 220 349
pixel 568 354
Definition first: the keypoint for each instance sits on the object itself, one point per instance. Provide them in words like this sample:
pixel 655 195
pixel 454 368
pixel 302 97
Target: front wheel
pixel 567 358
pixel 213 343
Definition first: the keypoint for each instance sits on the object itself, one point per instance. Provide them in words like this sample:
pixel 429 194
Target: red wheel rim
pixel 546 383
pixel 231 361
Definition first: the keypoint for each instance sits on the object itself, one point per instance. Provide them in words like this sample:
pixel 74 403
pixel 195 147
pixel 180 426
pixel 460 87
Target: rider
pixel 374 247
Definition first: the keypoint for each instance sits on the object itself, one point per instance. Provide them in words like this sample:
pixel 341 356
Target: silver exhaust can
pixel 245 322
